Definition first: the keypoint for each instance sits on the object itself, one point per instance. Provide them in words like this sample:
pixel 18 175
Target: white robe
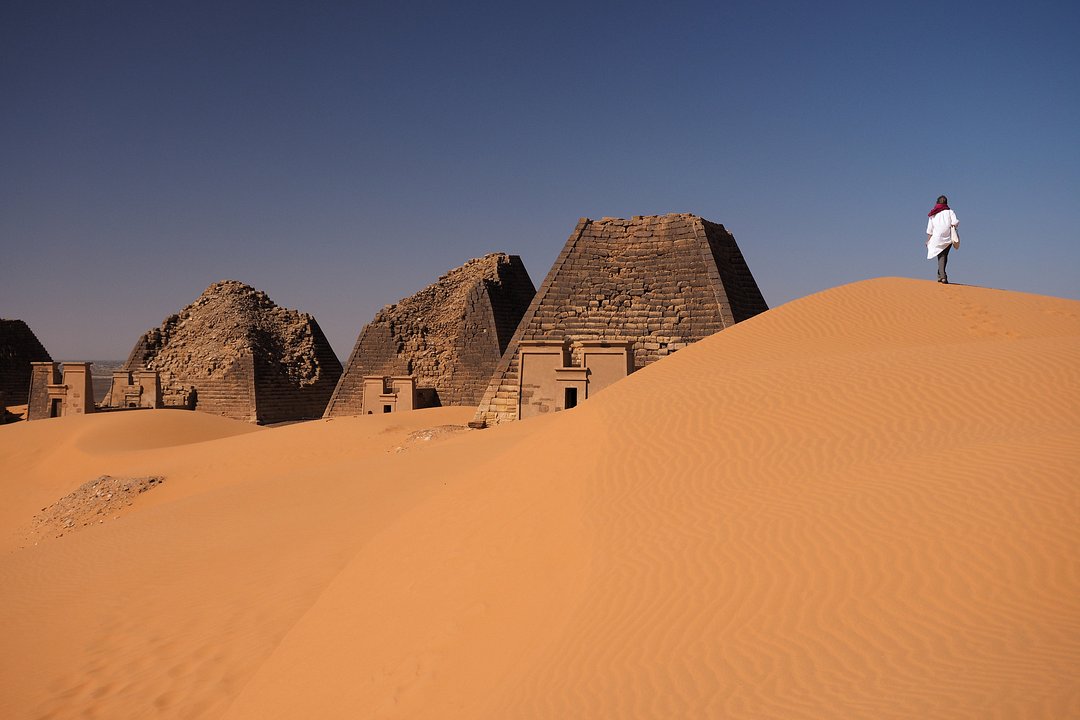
pixel 939 228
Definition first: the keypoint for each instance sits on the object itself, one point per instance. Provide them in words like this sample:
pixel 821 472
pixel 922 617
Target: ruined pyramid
pixel 449 336
pixel 19 347
pixel 621 294
pixel 234 352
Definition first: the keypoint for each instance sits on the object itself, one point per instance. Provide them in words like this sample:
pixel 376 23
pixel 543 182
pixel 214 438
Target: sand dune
pixel 865 503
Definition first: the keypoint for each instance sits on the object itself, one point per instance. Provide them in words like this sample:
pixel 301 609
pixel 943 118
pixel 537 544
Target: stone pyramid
pixel 19 347
pixel 448 337
pixel 621 294
pixel 234 352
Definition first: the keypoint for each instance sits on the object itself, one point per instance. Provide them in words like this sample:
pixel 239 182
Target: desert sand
pixel 861 504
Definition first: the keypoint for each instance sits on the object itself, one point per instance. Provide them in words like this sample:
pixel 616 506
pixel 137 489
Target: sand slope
pixel 865 503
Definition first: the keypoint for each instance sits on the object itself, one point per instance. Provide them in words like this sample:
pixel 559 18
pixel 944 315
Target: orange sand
pixel 865 503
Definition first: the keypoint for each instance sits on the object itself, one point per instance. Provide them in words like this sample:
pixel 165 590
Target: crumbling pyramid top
pixel 448 336
pixel 228 321
pixel 234 352
pixel 433 316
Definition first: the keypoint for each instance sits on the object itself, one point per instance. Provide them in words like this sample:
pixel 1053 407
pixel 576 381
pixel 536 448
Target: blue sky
pixel 341 156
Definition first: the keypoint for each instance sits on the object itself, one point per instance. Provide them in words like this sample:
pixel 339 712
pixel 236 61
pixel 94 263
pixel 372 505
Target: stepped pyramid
pixel 19 347
pixel 448 337
pixel 234 352
pixel 621 294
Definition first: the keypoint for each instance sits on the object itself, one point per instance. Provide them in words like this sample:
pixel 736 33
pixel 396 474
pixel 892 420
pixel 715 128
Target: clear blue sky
pixel 341 156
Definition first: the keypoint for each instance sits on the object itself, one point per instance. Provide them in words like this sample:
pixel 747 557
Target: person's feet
pixel 943 281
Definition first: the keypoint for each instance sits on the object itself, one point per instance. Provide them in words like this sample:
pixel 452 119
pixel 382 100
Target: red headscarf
pixel 937 208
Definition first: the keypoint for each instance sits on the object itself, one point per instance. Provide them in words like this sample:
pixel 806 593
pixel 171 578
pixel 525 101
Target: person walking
pixel 939 235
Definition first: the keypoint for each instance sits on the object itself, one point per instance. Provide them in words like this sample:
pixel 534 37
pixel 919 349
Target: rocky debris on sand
pixel 427 435
pixel 90 504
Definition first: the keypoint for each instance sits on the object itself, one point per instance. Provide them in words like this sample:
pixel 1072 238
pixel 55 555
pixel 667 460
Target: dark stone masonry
pixel 19 348
pixel 234 352
pixel 448 337
pixel 622 294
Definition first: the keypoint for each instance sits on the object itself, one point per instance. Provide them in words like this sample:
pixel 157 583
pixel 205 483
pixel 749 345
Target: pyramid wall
pixel 233 352
pixel 656 282
pixel 230 393
pixel 449 336
pixel 19 347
